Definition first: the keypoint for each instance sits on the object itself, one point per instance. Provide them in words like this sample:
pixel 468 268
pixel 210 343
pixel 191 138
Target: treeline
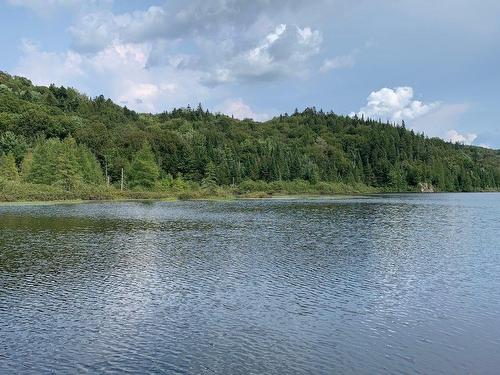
pixel 57 136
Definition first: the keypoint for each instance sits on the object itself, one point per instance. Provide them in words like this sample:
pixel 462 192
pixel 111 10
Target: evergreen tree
pixel 90 168
pixel 26 166
pixel 43 165
pixel 8 168
pixel 312 145
pixel 143 171
pixel 61 163
pixel 68 173
pixel 209 181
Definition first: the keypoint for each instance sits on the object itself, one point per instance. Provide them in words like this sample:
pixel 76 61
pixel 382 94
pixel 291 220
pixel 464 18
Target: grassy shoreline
pixel 23 193
pixel 16 191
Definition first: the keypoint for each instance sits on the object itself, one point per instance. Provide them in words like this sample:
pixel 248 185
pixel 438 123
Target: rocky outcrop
pixel 426 187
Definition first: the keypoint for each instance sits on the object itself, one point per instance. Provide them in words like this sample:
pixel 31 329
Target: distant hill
pixel 207 148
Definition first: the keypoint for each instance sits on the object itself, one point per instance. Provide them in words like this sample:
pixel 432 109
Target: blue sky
pixel 434 64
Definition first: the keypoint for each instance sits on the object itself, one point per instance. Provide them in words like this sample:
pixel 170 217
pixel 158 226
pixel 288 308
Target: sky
pixel 433 63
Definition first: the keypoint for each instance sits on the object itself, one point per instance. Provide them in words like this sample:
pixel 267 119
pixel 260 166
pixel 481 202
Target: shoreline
pixel 275 196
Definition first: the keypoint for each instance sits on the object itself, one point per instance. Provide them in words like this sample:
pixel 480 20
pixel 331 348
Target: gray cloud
pixel 93 32
pixel 282 52
pixel 225 40
pixel 223 18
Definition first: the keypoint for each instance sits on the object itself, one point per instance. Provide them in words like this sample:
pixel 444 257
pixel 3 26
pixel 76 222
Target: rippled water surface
pixel 381 284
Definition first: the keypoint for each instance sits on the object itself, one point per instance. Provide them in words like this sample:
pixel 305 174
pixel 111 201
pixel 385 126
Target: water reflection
pixel 398 283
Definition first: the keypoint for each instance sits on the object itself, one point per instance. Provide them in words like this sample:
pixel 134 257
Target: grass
pixel 17 191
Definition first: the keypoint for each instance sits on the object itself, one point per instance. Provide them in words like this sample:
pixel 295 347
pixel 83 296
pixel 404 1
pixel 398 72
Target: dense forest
pixel 56 136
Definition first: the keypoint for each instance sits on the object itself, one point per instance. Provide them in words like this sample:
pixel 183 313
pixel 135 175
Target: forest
pixel 57 143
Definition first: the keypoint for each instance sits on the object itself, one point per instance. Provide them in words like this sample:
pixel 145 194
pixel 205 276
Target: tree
pixel 209 182
pixel 144 171
pixel 43 165
pixel 68 174
pixel 214 149
pixel 65 164
pixel 26 166
pixel 89 167
pixel 8 168
pixel 12 143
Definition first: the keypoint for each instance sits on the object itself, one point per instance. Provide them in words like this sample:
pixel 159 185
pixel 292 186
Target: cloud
pixel 241 110
pixel 225 41
pixel 433 119
pixel 394 105
pixel 180 52
pixel 39 65
pixel 442 122
pixel 175 19
pixel 485 145
pixel 118 72
pixel 339 62
pixel 436 123
pixel 281 53
pixel 455 137
pixel 93 32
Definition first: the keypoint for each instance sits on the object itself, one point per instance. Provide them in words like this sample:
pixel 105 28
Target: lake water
pixel 380 284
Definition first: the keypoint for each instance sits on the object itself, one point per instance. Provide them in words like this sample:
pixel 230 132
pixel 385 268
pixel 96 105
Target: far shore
pixel 253 196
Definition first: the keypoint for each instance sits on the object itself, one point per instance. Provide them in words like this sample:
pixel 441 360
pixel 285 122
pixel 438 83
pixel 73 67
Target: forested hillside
pixel 60 137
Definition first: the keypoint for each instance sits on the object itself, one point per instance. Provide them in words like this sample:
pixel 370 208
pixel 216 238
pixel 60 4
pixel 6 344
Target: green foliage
pixel 8 168
pixel 73 138
pixel 69 172
pixel 62 163
pixel 209 182
pixel 13 143
pixel 144 171
pixel 26 166
pixel 90 169
pixel 166 182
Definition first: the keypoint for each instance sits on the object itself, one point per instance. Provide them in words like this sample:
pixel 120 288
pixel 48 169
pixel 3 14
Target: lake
pixel 401 283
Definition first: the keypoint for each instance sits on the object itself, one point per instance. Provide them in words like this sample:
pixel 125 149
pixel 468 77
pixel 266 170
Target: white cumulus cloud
pixel 118 72
pixel 455 137
pixel 240 110
pixel 394 105
pixel 433 119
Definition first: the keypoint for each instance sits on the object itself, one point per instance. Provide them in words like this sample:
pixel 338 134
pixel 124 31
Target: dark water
pixel 385 284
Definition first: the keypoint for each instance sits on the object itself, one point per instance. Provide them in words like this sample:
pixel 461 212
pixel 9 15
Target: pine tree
pixel 144 171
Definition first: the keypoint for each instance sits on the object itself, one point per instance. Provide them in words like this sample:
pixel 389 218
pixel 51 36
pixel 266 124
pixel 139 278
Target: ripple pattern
pixel 381 284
